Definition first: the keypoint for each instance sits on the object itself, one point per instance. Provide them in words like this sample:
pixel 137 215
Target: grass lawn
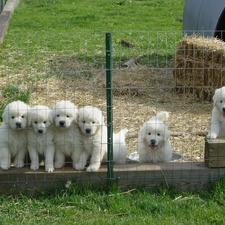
pixel 87 16
pixel 54 25
pixel 76 205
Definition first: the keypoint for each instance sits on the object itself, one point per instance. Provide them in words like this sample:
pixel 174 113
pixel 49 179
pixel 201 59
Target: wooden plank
pixel 10 5
pixel 4 22
pixel 215 152
pixel 181 175
pixel 215 162
pixel 5 17
pixel 216 140
pixel 25 180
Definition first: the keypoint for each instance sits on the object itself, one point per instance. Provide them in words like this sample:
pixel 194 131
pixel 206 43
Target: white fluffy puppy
pixel 94 130
pixel 67 136
pixel 119 147
pixel 217 127
pixel 13 137
pixel 153 143
pixel 40 138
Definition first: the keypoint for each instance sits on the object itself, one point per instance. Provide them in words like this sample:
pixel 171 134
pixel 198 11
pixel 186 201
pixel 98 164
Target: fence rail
pixel 140 81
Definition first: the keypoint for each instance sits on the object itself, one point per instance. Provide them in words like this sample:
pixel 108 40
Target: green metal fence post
pixel 110 175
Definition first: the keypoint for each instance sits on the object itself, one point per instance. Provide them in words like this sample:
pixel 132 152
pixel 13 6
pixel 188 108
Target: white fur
pixel 40 137
pixel 94 130
pixel 217 125
pixel 119 147
pixel 153 143
pixel 67 136
pixel 13 137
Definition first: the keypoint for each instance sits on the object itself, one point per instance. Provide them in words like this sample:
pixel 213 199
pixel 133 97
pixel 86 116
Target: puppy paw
pixel 19 165
pixel 34 166
pixel 212 136
pixel 58 165
pixel 5 167
pixel 92 168
pixel 49 169
pixel 78 166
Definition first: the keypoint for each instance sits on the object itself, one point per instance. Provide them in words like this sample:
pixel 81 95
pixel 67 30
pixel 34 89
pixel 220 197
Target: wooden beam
pixel 181 175
pixel 5 17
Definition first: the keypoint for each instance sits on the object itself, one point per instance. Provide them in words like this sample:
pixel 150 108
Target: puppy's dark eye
pixel 158 134
pixel 221 101
pixel 22 116
pixel 93 122
pixel 35 122
pixel 83 121
pixel 44 122
pixel 57 115
pixel 149 133
pixel 12 117
pixel 67 116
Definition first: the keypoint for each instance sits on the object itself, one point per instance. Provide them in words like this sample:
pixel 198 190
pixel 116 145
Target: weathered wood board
pixel 215 152
pixel 181 175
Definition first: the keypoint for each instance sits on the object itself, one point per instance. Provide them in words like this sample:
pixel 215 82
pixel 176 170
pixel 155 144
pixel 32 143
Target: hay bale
pixel 199 66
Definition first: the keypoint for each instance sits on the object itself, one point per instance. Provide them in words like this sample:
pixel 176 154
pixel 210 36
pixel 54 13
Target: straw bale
pixel 199 65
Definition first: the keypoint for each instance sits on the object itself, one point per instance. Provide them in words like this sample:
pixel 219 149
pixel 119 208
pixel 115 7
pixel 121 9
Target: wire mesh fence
pixel 146 74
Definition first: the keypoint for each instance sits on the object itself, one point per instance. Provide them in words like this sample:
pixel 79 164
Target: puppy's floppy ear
pixel 216 96
pixel 29 118
pixel 219 95
pixel 102 122
pixel 52 115
pixel 5 115
pixel 75 114
pixel 78 117
pixel 142 131
pixel 167 134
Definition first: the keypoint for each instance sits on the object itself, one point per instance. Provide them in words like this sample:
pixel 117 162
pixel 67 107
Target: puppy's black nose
pixel 223 109
pixel 61 123
pixel 18 125
pixel 152 142
pixel 40 131
pixel 88 131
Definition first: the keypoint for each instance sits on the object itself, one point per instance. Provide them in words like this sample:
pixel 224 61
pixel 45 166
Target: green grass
pixel 86 205
pixel 80 25
pixel 88 16
pixel 40 28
